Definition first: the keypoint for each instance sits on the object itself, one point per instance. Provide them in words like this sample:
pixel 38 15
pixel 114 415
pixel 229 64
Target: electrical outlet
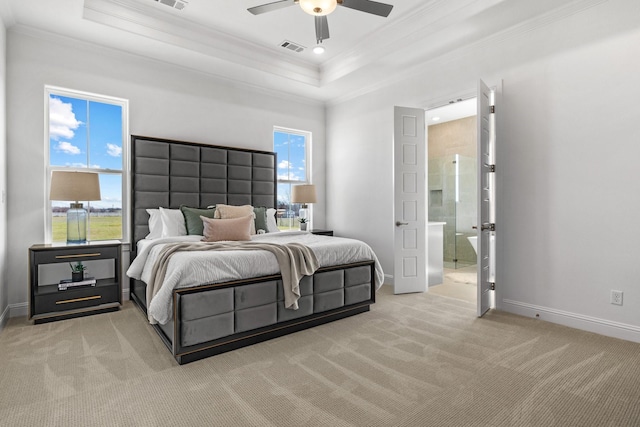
pixel 616 297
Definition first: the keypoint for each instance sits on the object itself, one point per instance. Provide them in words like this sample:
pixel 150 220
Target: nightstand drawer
pixel 76 298
pixel 76 254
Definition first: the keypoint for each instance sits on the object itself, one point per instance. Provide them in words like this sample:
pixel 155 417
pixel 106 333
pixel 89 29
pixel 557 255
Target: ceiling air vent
pixel 292 46
pixel 176 4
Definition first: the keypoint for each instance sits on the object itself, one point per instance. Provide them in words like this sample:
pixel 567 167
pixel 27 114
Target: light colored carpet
pixel 414 360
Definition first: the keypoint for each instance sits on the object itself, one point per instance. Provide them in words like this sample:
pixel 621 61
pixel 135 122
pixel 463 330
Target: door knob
pixel 398 223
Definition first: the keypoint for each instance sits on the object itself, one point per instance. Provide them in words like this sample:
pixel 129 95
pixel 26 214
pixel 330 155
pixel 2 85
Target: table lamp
pixel 303 194
pixel 75 186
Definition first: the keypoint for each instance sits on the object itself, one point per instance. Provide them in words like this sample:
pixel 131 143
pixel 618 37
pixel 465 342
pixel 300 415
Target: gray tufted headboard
pixel 170 173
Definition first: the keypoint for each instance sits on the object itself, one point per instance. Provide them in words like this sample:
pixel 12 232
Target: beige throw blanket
pixel 294 259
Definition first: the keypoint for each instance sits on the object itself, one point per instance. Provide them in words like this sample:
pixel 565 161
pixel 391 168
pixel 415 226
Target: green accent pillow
pixel 261 218
pixel 192 219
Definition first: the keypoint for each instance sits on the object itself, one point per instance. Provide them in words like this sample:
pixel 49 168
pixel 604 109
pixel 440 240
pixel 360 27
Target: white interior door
pixel 486 198
pixel 410 248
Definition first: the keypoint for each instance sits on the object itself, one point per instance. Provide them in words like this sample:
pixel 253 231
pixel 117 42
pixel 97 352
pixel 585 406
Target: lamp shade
pixel 74 186
pixel 303 194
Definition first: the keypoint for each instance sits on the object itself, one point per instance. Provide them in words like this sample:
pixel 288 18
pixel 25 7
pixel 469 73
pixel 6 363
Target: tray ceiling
pixel 222 38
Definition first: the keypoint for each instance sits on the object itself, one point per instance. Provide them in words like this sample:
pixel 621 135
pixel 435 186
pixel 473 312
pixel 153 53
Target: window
pixel 87 132
pixel 292 148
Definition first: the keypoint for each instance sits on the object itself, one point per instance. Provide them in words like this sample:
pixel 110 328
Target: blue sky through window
pixel 88 134
pixel 292 164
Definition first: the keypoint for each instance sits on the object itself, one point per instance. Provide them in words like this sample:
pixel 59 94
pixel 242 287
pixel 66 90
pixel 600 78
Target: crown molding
pixel 149 22
pixel 439 58
pixel 237 81
pixel 6 14
pixel 405 33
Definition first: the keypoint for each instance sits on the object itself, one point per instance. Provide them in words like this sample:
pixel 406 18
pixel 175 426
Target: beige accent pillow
pixel 236 229
pixel 230 212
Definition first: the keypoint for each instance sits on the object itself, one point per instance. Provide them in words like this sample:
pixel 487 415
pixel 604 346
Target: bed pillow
pixel 192 219
pixel 261 218
pixel 230 212
pixel 172 223
pixel 236 229
pixel 272 225
pixel 155 224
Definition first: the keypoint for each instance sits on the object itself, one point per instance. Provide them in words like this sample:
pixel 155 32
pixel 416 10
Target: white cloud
pixel 288 171
pixel 288 177
pixel 62 120
pixel 284 164
pixel 114 150
pixel 67 148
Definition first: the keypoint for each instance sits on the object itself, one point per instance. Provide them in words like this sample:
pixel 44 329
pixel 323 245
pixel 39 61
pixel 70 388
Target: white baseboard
pixel 573 320
pixel 4 318
pixel 19 309
pixel 578 321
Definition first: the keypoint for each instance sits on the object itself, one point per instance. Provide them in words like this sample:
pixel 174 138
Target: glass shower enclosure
pixel 453 200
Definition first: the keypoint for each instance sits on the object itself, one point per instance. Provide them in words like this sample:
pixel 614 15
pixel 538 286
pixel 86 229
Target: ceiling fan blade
pixel 380 9
pixel 269 7
pixel 322 28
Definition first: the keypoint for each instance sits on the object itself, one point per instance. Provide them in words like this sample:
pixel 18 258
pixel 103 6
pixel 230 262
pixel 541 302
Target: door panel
pixel 486 197
pixel 410 249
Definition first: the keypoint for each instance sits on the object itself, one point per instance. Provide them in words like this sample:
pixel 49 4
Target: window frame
pixel 307 135
pixel 124 172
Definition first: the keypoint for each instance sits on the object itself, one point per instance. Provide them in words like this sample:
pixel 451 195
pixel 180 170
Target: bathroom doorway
pixel 452 193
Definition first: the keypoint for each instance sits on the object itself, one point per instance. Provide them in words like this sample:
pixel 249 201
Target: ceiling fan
pixel 321 8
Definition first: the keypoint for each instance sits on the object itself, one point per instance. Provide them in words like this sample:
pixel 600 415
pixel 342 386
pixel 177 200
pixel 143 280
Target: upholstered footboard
pixel 213 319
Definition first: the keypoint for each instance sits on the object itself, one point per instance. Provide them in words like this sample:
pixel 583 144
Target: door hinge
pixel 493 109
pixel 488 226
pixel 493 286
pixel 492 168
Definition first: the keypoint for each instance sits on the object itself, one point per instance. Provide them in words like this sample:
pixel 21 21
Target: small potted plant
pixel 303 224
pixel 77 271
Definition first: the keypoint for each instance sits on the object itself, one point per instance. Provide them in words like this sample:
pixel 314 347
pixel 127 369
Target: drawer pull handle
pixel 77 255
pixel 78 299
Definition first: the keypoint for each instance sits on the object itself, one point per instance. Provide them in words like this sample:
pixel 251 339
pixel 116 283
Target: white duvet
pixel 193 268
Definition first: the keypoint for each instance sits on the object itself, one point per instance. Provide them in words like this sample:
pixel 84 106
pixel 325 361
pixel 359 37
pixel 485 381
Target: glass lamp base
pixel 76 224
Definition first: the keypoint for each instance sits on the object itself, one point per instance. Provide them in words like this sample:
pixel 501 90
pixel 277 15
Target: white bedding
pixel 189 268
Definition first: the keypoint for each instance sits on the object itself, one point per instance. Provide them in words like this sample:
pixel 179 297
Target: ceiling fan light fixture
pixel 318 7
pixel 318 50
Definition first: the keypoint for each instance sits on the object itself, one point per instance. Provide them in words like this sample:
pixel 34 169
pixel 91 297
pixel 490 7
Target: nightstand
pixel 49 263
pixel 322 232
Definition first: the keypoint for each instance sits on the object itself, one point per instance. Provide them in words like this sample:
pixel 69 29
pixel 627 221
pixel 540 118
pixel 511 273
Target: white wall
pixel 4 288
pixel 567 169
pixel 164 101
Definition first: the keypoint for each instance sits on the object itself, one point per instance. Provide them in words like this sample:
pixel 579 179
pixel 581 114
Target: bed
pixel 231 298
